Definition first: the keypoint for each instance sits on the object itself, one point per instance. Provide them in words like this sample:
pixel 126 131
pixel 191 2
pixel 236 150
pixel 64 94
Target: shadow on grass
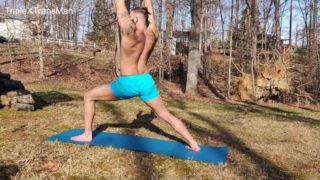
pixel 266 111
pixel 274 109
pixel 271 170
pixel 48 98
pixel 309 109
pixel 141 121
pixel 306 120
pixel 178 104
pixel 283 115
pixel 143 160
pixel 8 171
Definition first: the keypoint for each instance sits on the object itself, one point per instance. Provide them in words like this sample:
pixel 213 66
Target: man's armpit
pixel 127 29
pixel 126 25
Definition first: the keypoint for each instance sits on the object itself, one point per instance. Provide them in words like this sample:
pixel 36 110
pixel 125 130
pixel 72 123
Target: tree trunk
pixel 254 31
pixel 40 31
pixel 290 28
pixel 194 57
pixel 236 22
pixel 170 8
pixel 266 17
pixel 276 27
pixel 222 34
pixel 118 49
pixel 310 29
pixel 161 64
pixel 315 50
pixel 230 48
pixel 205 66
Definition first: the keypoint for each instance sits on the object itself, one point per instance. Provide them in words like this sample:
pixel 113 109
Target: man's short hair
pixel 144 12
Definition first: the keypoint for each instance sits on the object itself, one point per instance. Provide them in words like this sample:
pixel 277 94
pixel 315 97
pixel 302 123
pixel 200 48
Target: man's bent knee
pixel 87 96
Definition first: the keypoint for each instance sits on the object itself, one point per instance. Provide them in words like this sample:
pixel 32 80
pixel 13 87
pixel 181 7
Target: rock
pixel 25 99
pixel 5 100
pixel 23 107
pixel 12 93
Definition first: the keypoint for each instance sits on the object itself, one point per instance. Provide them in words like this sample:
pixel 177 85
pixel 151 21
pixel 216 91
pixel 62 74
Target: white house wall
pixel 13 28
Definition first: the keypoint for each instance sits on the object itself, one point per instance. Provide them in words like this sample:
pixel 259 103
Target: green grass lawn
pixel 267 142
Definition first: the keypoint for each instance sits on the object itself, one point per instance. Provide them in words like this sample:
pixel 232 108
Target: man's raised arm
pixel 152 25
pixel 125 23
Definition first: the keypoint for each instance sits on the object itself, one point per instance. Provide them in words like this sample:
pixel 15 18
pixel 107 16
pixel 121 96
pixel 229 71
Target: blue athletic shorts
pixel 141 85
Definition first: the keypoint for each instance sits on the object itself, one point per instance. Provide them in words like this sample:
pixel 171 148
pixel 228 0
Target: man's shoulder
pixel 152 32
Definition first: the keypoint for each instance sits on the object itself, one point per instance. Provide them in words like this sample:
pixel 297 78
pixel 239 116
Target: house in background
pixel 14 27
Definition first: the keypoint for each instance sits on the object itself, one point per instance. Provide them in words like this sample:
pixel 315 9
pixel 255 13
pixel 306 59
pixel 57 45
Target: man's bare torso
pixel 136 49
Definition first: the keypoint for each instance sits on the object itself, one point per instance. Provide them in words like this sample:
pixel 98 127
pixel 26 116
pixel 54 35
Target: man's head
pixel 140 15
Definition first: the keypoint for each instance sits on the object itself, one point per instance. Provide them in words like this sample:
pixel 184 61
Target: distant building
pixel 13 27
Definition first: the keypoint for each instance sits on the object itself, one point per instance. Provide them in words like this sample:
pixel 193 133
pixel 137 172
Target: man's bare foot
pixel 82 138
pixel 193 147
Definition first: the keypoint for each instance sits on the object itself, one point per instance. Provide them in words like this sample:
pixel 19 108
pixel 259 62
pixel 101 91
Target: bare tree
pixel 230 47
pixel 314 44
pixel 305 10
pixel 194 54
pixel 40 31
pixel 221 10
pixel 170 8
pixel 236 21
pixel 254 16
pixel 290 28
pixel 276 28
pixel 266 15
pixel 161 39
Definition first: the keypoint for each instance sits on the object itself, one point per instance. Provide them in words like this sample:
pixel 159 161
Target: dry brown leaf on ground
pixel 51 166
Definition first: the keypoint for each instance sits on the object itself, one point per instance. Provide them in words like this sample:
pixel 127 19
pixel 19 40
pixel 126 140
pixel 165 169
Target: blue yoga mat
pixel 207 154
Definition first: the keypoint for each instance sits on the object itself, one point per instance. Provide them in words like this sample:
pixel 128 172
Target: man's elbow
pixel 156 33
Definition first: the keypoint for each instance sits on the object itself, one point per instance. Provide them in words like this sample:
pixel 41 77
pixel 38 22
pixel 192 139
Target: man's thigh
pixel 103 93
pixel 157 105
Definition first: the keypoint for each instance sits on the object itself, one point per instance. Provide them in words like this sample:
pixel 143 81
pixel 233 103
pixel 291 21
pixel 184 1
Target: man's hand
pixel 152 25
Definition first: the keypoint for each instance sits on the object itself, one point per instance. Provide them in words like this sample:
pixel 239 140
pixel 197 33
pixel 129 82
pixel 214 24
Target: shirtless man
pixel 139 36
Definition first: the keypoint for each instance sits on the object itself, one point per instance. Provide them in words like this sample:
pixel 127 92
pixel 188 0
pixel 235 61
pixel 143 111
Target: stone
pixel 25 99
pixel 5 100
pixel 12 93
pixel 24 107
